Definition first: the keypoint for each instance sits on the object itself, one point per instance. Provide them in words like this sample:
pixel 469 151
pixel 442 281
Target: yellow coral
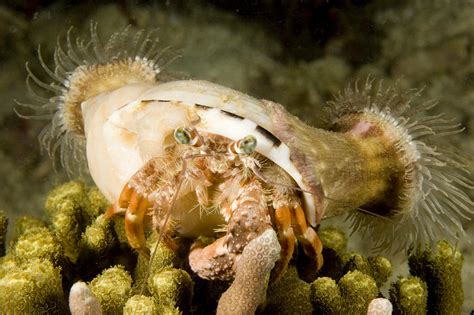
pixel 72 194
pixel 326 296
pixel 377 267
pixel 351 295
pixel 357 290
pixel 24 223
pixel 72 207
pixel 97 204
pixel 98 237
pixel 112 288
pixel 164 258
pixel 41 243
pixel 32 288
pixel 140 305
pixel 441 270
pixel 172 287
pixel 409 296
pixel 289 295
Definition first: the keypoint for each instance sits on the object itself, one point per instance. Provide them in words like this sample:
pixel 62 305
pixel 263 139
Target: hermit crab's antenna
pixel 186 136
pixel 190 136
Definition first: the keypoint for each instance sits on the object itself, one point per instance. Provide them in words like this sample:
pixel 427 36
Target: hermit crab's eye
pixel 182 135
pixel 247 145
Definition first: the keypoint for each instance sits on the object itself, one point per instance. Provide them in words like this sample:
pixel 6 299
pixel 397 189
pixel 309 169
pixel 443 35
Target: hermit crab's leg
pixel 135 201
pixel 286 238
pixel 134 206
pixel 134 223
pixel 307 236
pixel 120 207
pixel 213 262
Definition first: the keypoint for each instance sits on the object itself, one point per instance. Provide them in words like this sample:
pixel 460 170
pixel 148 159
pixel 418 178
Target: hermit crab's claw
pixel 286 238
pixel 247 218
pixel 136 207
pixel 134 219
pixel 308 237
pixel 291 221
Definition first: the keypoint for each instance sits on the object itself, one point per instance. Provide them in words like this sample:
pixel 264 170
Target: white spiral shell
pixel 126 127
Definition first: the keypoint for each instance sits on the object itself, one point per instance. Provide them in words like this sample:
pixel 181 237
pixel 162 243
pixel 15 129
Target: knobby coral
pixel 441 270
pixel 46 258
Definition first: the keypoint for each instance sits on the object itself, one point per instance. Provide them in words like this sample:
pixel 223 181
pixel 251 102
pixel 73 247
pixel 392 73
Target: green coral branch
pixel 289 295
pixel 80 243
pixel 112 288
pixel 409 296
pixel 351 295
pixel 72 207
pixel 32 287
pixel 441 270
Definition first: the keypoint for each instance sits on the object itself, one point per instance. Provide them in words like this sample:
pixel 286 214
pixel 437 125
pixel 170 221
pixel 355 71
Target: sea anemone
pixel 85 68
pixel 429 197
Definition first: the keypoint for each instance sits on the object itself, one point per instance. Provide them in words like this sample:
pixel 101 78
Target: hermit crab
pixel 196 158
pixel 211 160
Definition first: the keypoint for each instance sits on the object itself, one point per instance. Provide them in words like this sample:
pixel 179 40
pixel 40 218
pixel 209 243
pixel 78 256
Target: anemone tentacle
pixel 435 200
pixel 128 56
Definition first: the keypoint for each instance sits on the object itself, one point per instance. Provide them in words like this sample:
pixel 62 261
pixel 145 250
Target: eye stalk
pixel 183 135
pixel 247 145
pixel 187 135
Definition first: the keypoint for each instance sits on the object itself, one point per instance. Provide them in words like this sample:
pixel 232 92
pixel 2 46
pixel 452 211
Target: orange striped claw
pixel 308 237
pixel 134 206
pixel 120 207
pixel 134 223
pixel 287 240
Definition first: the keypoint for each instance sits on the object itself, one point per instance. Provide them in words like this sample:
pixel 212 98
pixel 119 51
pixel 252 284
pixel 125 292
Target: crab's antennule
pixel 84 68
pixel 161 232
pixel 163 227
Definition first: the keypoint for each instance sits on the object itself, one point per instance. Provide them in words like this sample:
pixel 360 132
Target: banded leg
pixel 135 208
pixel 134 223
pixel 120 207
pixel 308 237
pixel 286 238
